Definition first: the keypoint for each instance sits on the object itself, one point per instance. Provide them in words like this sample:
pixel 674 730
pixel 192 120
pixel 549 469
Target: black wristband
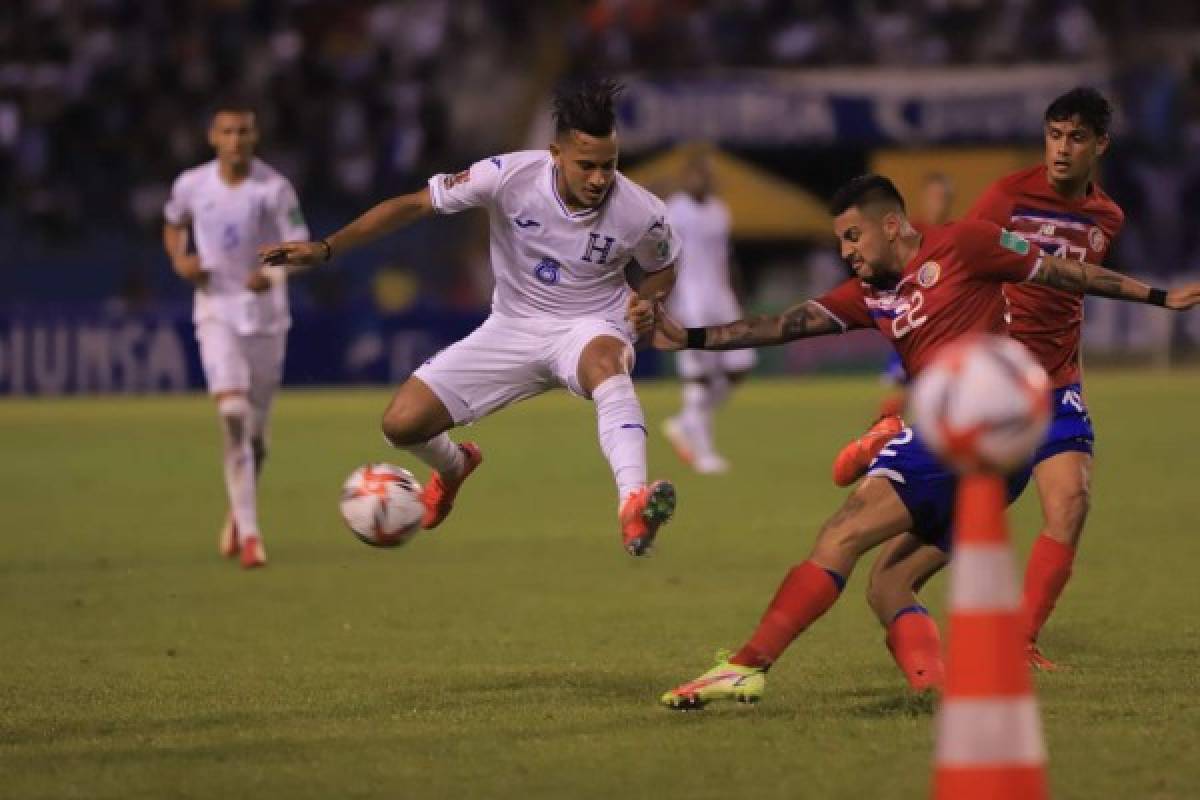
pixel 1157 297
pixel 328 249
pixel 696 337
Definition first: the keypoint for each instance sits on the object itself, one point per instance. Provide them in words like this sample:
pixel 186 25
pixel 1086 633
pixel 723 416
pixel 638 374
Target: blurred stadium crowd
pixel 103 102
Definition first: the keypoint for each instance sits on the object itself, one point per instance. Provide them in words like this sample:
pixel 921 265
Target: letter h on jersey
pixel 601 250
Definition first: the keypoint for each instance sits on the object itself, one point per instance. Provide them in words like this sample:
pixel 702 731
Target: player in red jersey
pixel 1058 206
pixel 922 290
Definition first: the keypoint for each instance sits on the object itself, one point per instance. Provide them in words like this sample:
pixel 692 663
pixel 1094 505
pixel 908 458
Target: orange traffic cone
pixel 989 736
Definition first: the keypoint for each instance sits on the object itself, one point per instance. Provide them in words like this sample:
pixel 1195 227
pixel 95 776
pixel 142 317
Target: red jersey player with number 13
pixel 1058 206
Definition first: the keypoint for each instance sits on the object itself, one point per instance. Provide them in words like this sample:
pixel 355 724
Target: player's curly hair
pixel 865 190
pixel 586 106
pixel 1092 108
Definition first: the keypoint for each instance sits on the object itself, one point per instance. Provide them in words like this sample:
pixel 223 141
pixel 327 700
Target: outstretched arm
pixel 798 322
pixel 379 221
pixel 1079 276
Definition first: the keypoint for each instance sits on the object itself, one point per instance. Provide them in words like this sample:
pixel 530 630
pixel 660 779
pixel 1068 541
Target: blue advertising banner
pixel 86 350
pixel 787 108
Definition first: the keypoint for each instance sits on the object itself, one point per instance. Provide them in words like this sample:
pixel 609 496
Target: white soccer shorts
pixel 509 359
pixel 236 362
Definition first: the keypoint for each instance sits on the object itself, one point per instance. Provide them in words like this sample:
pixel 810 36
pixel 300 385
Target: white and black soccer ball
pixel 982 405
pixel 382 504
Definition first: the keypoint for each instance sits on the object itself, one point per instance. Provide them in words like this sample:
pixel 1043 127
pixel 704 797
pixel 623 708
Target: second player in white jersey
pixel 229 224
pixel 231 207
pixel 703 295
pixel 564 224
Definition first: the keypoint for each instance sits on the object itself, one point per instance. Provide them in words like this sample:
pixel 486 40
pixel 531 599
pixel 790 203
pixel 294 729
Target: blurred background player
pixel 564 225
pixel 703 295
pixel 1059 206
pixel 922 289
pixel 937 198
pixel 232 206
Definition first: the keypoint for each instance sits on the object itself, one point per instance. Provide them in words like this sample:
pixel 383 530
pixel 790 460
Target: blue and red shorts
pixel 927 487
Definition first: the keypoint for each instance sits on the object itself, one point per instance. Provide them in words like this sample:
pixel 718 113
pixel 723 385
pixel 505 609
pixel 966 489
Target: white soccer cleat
pixel 711 464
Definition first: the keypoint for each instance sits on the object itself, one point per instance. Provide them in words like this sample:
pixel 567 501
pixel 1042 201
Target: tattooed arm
pixel 798 322
pixel 1078 276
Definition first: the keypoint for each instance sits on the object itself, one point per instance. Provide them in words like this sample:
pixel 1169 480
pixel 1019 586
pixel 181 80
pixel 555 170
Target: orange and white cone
pixel 989 735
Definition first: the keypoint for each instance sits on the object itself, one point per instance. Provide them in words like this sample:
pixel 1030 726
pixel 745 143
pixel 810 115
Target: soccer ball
pixel 982 405
pixel 382 504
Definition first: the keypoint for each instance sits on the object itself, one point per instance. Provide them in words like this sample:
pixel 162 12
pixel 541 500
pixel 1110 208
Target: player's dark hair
pixel 586 106
pixel 1092 108
pixel 233 103
pixel 866 190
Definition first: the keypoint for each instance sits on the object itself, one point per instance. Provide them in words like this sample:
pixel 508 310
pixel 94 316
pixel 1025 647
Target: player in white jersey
pixel 703 295
pixel 564 225
pixel 232 206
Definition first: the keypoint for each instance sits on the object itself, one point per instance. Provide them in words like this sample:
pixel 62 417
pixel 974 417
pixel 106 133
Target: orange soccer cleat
pixel 227 543
pixel 855 457
pixel 439 493
pixel 643 513
pixel 1038 661
pixel 253 553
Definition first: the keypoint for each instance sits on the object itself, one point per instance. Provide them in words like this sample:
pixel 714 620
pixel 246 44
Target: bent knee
pixel 401 426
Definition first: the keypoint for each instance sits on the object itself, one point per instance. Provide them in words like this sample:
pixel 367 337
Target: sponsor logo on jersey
pixel 1014 242
pixel 450 181
pixel 1096 239
pixel 928 274
pixel 526 223
pixel 547 271
pixel 495 160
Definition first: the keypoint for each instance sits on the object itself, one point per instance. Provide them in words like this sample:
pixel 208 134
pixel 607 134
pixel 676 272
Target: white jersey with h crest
pixel 548 260
pixel 229 225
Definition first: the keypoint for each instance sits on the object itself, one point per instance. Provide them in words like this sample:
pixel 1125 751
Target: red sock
pixel 914 642
pixel 806 593
pixel 1045 576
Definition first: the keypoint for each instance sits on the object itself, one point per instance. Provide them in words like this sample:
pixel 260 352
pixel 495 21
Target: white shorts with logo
pixel 235 362
pixel 507 359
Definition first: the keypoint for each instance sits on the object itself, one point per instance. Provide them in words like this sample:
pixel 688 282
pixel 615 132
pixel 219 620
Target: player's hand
pixel 188 267
pixel 640 313
pixel 259 281
pixel 668 334
pixel 295 254
pixel 1184 297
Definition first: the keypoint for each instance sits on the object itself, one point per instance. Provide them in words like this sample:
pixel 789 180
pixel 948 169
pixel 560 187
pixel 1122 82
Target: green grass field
pixel 517 651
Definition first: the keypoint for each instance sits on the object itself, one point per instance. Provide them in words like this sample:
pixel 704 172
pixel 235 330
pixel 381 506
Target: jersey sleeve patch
pixel 1014 242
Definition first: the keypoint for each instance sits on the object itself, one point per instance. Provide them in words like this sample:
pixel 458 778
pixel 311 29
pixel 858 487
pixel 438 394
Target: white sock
pixel 440 453
pixel 238 460
pixel 696 417
pixel 622 428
